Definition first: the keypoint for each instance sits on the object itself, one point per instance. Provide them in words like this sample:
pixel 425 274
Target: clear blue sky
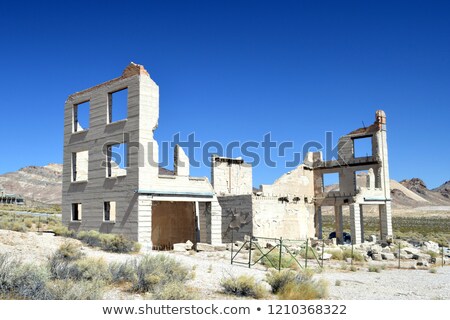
pixel 235 70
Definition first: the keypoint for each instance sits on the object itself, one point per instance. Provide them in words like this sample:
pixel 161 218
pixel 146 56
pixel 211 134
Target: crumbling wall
pixel 298 182
pixel 231 176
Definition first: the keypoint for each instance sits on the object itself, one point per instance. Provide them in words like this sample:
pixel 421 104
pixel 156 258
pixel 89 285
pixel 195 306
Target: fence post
pixel 352 256
pixel 399 254
pixel 442 256
pixel 306 255
pixel 39 224
pixel 279 258
pixel 323 249
pixel 250 252
pixel 232 245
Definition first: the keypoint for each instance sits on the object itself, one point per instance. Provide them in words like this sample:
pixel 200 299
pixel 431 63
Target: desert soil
pixel 211 267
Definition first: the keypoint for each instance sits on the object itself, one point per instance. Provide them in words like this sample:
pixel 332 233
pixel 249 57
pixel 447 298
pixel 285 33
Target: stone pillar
pixel 355 224
pixel 205 221
pixel 145 222
pixel 216 222
pixel 361 222
pixel 318 221
pixel 339 224
pixel 385 220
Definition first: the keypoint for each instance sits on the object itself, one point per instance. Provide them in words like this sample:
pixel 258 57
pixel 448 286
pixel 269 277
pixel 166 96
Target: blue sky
pixel 236 70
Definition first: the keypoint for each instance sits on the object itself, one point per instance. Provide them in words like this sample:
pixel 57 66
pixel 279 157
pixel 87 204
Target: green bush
pixel 89 269
pixel 243 285
pixel 75 290
pixel 357 256
pixel 68 251
pixel 309 290
pixel 272 260
pixel 91 237
pixel 279 279
pixel 123 271
pixel 118 243
pixel 158 271
pixel 374 269
pixel 22 281
pixel 292 285
pixel 174 291
pixel 63 231
pixel 336 254
pixel 312 253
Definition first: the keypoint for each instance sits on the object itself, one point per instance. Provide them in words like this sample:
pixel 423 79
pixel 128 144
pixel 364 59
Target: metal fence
pixel 280 253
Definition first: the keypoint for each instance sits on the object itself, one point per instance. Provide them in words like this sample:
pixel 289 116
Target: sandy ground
pixel 211 267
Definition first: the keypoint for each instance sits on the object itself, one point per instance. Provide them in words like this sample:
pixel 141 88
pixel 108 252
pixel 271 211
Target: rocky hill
pixel 42 186
pixel 38 185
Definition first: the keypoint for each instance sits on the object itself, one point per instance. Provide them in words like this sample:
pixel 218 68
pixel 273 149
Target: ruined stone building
pixel 292 206
pixel 112 182
pixel 131 197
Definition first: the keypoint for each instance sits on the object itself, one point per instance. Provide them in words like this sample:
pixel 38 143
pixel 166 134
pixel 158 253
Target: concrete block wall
pixel 231 176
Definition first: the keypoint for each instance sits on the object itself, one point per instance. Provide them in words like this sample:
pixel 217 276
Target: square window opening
pixel 80 163
pixel 117 160
pixel 76 211
pixel 362 179
pixel 330 182
pixel 118 105
pixel 109 211
pixel 362 147
pixel 81 116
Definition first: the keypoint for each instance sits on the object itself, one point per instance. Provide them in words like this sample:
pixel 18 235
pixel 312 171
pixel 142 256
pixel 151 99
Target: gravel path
pixel 211 267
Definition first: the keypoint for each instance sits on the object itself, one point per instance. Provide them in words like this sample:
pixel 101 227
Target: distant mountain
pixel 37 185
pixel 43 186
pixel 40 185
pixel 437 196
pixel 444 189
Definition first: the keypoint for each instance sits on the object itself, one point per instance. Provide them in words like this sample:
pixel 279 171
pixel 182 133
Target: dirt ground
pixel 211 267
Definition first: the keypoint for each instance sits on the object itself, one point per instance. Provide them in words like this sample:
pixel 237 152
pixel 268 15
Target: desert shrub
pixel 292 285
pixel 18 226
pixel 89 269
pixel 272 260
pixel 312 253
pixel 91 237
pixel 279 279
pixel 308 290
pixel 353 268
pixel 28 223
pixel 7 266
pixel 432 270
pixel 22 281
pixel 337 283
pixel 108 242
pixel 30 282
pixel 357 256
pixel 63 231
pixel 336 254
pixel 158 271
pixel 118 243
pixel 75 290
pixel 433 254
pixel 123 272
pixel 374 269
pixel 243 285
pixel 68 251
pixel 174 291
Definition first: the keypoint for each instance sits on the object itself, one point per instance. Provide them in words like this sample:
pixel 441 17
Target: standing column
pixel 355 224
pixel 385 220
pixel 339 224
pixel 361 222
pixel 318 222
